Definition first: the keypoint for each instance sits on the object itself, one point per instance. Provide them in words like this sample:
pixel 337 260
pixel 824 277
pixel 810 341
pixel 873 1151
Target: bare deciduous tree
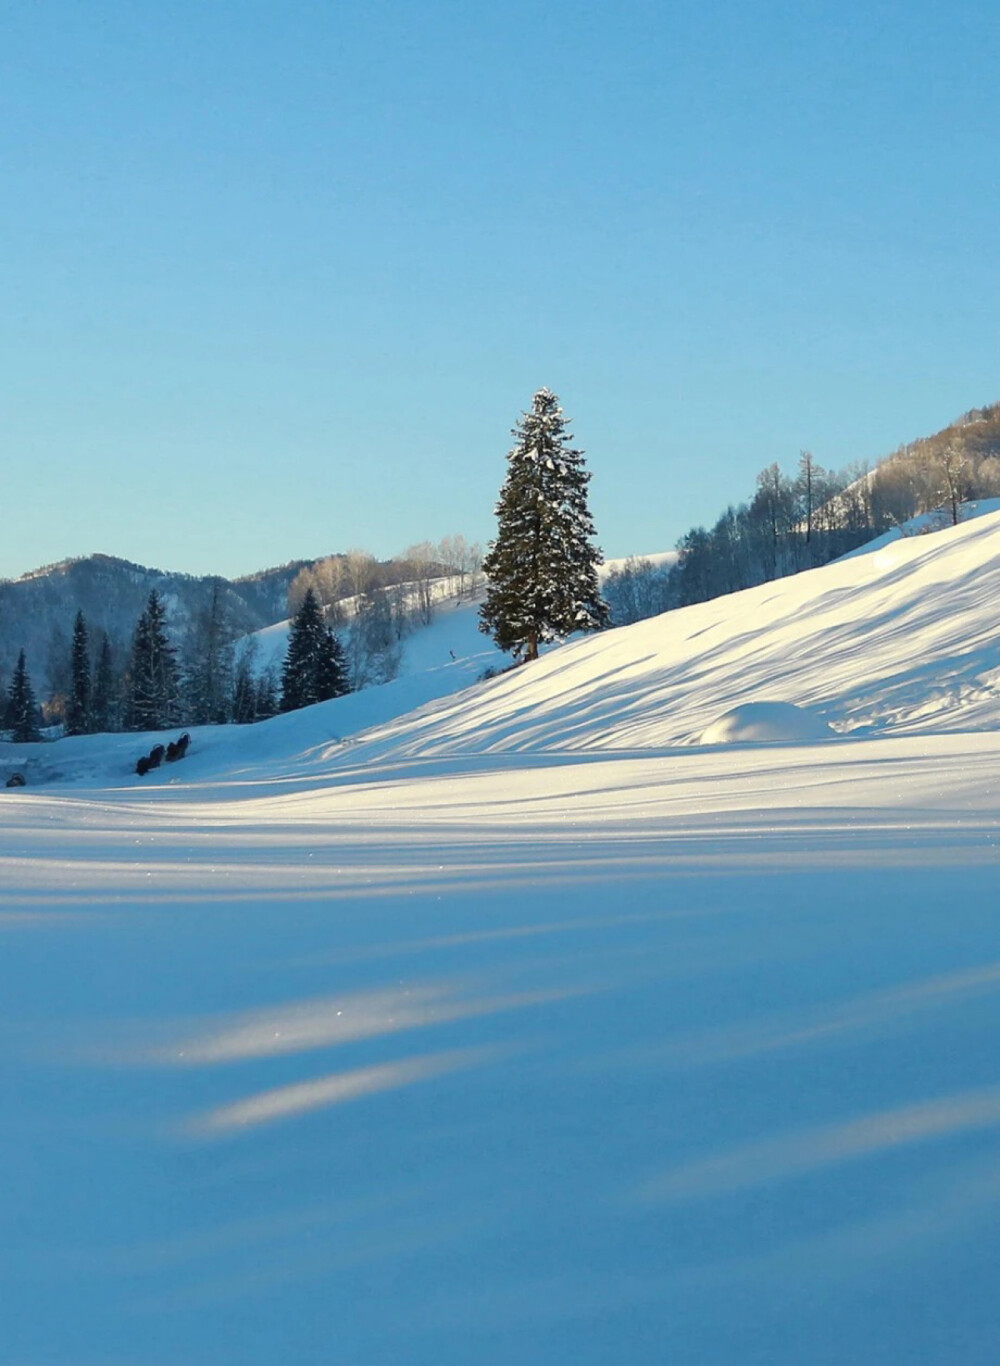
pixel 953 463
pixel 424 569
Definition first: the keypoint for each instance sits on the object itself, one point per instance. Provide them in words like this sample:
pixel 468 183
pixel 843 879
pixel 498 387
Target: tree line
pixel 806 519
pixel 213 680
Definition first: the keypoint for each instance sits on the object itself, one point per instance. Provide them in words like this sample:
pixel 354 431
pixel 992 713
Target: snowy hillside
pixel 927 523
pixel 522 1027
pixel 453 634
pixel 904 638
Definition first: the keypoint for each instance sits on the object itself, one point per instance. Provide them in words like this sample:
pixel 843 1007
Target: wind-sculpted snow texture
pixel 523 1029
pixel 903 639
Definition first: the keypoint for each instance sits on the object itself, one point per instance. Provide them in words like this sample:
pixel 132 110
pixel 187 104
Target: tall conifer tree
pixel 78 717
pixel 541 570
pixel 266 701
pixel 245 683
pixel 151 694
pixel 21 717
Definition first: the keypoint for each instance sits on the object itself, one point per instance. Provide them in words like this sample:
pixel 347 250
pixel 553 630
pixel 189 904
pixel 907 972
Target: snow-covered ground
pixel 453 633
pixel 927 523
pixel 523 1028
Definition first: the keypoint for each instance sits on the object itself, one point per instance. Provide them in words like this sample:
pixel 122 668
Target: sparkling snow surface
pixel 521 1028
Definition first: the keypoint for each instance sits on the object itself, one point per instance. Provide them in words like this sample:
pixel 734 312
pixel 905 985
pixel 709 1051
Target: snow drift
pixel 766 723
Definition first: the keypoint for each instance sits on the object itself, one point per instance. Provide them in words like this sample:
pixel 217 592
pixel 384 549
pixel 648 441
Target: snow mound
pixel 766 723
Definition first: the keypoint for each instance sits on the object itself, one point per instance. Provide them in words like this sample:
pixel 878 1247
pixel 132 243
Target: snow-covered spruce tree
pixel 78 709
pixel 151 685
pixel 541 570
pixel 21 716
pixel 314 668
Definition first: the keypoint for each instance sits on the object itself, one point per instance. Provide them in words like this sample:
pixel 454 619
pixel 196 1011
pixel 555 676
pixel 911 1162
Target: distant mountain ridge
pixel 37 610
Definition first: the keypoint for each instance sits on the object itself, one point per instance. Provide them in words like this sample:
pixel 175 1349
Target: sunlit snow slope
pixel 904 639
pixel 522 1028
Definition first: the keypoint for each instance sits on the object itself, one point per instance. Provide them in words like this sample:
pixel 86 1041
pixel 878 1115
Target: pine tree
pixel 78 717
pixel 103 702
pixel 541 570
pixel 21 717
pixel 314 667
pixel 151 692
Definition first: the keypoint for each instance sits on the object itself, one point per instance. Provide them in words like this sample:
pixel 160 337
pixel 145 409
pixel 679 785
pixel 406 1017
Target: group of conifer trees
pixel 91 705
pixel 210 683
pixel 154 690
pixel 216 684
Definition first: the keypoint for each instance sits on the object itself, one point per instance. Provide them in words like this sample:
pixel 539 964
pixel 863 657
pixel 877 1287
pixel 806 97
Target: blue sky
pixel 276 280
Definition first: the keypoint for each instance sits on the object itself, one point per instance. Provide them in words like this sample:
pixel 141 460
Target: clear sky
pixel 276 279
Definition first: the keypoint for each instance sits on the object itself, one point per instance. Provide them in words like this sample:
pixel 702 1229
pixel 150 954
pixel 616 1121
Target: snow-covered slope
pixel 453 634
pixel 902 639
pixel 511 1030
pixel 926 524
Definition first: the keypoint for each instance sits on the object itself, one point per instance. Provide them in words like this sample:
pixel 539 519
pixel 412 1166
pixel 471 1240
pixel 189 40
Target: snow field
pixel 520 1027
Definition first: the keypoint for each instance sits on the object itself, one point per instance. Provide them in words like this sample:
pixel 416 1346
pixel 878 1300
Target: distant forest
pixel 798 521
